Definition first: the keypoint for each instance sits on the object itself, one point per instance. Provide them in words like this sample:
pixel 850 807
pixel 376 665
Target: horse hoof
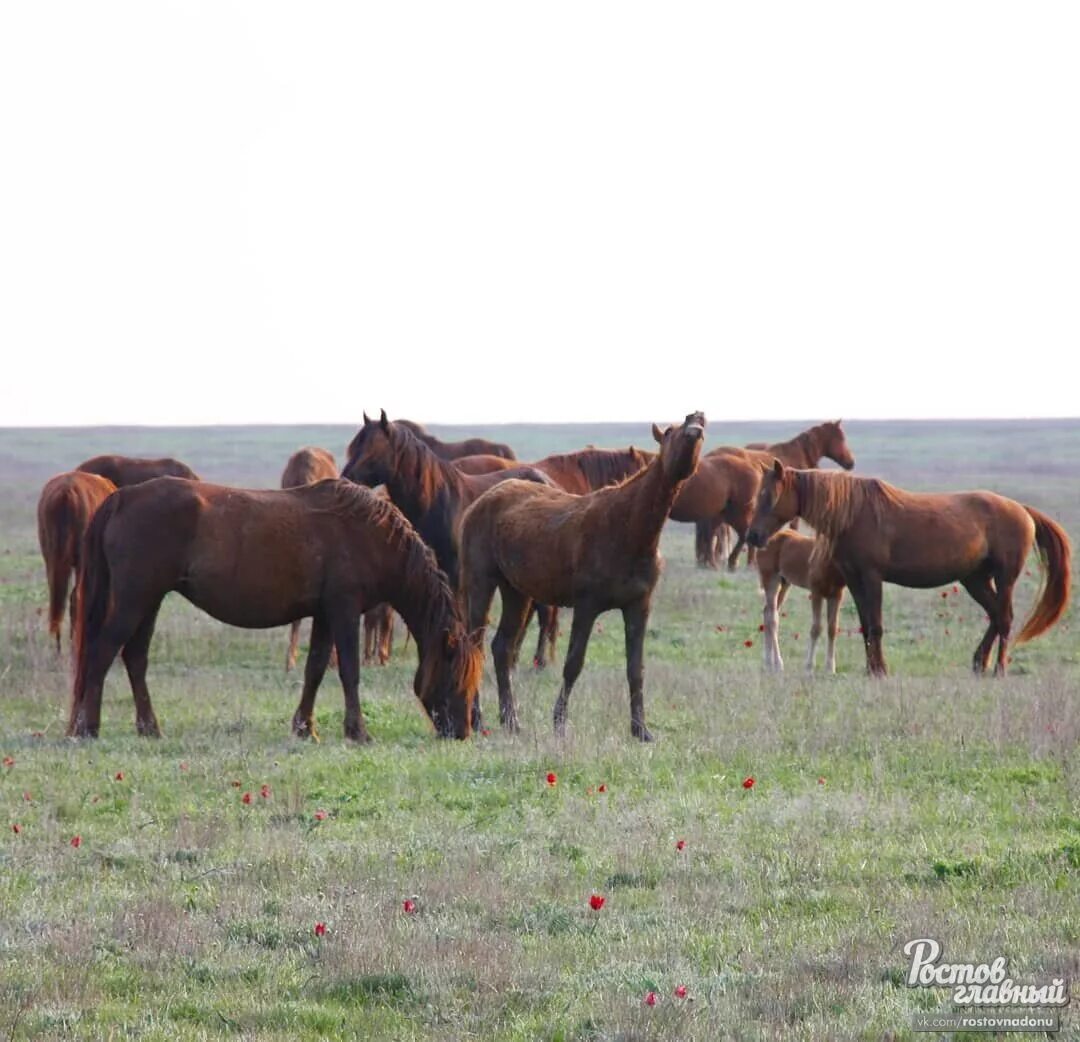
pixel 642 733
pixel 305 729
pixel 148 729
pixel 359 737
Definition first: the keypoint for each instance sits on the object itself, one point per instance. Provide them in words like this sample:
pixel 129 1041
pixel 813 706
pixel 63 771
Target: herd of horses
pixel 430 530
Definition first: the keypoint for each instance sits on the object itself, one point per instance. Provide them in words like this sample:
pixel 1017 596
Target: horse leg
pixel 580 631
pixel 868 606
pixel 773 662
pixel 635 621
pixel 505 647
pixel 815 630
pixel 981 589
pixel 1004 586
pixel 834 627
pixel 294 646
pixel 541 611
pixel 136 657
pixel 703 544
pixel 303 721
pixel 386 635
pixel 346 632
pixel 477 596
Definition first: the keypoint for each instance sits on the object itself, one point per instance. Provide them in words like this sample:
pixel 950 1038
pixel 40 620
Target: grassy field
pixel 928 804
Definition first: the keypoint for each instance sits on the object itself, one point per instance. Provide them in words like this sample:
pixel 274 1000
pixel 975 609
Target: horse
pixel 379 634
pixel 875 533
pixel 593 552
pixel 451 450
pixel 127 470
pixel 259 559
pixel 807 449
pixel 785 561
pixel 68 502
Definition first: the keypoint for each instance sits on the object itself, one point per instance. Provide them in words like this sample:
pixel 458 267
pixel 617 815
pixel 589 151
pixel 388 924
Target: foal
pixel 593 553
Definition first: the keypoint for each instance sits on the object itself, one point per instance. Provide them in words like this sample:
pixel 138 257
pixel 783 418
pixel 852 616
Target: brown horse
pixel 65 508
pixel 807 449
pixel 305 467
pixel 451 450
pixel 593 552
pixel 428 490
pixel 785 561
pixel 260 559
pixel 127 470
pixel 379 634
pixel 875 533
pixel 483 463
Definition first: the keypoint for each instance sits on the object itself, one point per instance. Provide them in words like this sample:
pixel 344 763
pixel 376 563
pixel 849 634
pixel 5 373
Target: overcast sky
pixel 259 212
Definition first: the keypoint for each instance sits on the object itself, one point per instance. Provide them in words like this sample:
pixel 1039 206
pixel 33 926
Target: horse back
pixel 128 470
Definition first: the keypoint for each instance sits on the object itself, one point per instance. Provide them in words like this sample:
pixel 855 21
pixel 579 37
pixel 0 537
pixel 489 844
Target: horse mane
pixel 599 467
pixel 430 473
pixel 833 500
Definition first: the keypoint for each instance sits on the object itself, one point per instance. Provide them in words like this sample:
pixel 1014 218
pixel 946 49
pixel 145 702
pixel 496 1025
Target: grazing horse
pixel 593 553
pixel 785 561
pixel 127 470
pixel 65 508
pixel 260 559
pixel 451 450
pixel 875 533
pixel 428 490
pixel 805 450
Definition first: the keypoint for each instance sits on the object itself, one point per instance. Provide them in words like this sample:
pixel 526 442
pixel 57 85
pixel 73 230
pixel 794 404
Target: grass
pixel 927 804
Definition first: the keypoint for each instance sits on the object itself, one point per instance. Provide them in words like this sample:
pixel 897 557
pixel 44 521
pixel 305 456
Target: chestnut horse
pixel 260 559
pixel 452 450
pixel 127 470
pixel 593 553
pixel 875 533
pixel 785 561
pixel 65 508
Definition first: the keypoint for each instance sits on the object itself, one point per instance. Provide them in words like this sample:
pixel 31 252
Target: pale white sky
pixel 265 212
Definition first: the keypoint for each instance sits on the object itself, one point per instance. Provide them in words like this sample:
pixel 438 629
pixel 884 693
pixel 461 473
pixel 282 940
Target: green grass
pixel 948 808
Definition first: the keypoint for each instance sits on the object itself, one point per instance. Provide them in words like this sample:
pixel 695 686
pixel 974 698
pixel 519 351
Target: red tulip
pixel 761 627
pixel 119 776
pixel 746 644
pixel 485 732
pixel 551 779
pixel 76 841
pixel 320 929
pixel 602 787
pixel 650 998
pixel 748 783
pixel 944 594
pixel 321 815
pixel 680 991
pixel 821 781
pixel 264 792
pixel 408 907
pixel 596 902
pixel 9 761
pixel 246 798
pixel 16 828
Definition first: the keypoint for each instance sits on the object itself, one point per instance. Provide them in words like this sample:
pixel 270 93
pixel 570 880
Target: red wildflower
pixel 9 761
pixel 650 998
pixel 16 828
pixel 746 644
pixel 748 783
pixel 680 844
pixel 26 796
pixel 680 991
pixel 602 787
pixel 956 589
pixel 321 815
pixel 320 929
pixel 76 841
pixel 551 779
pixel 183 765
pixel 119 776
pixel 761 627
pixel 821 781
pixel 264 792
pixel 719 629
pixel 408 907
pixel 944 594
pixel 596 902
pixel 246 798
pixel 485 732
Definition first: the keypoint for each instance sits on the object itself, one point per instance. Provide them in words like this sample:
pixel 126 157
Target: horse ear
pixel 777 469
pixel 383 421
pixel 657 434
pixel 367 419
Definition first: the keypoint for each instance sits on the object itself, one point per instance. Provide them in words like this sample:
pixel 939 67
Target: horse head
pixel 369 460
pixel 447 681
pixel 680 446
pixel 777 504
pixel 835 445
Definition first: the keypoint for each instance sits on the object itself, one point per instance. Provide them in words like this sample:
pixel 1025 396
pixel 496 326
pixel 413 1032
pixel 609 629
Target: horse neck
pixel 643 502
pixel 811 488
pixel 419 594
pixel 804 450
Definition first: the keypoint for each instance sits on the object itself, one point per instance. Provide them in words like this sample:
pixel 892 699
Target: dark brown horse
pixel 456 449
pixel 875 533
pixel 260 559
pixel 807 449
pixel 65 508
pixel 127 470
pixel 593 553
pixel 428 490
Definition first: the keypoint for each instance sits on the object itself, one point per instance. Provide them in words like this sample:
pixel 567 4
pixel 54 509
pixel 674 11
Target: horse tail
pixel 1055 551
pixel 58 532
pixel 91 595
